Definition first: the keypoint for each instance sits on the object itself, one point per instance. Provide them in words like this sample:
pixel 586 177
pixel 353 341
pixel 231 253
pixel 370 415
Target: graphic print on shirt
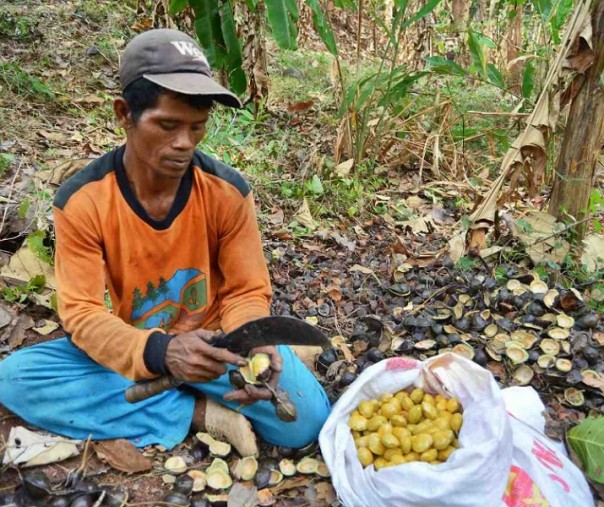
pixel 162 306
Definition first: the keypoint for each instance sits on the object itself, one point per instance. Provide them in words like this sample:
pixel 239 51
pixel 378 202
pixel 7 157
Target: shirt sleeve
pixel 245 293
pixel 81 277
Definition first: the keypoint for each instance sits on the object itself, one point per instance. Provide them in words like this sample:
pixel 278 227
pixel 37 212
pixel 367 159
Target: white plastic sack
pixel 504 460
pixel 541 473
pixel 474 475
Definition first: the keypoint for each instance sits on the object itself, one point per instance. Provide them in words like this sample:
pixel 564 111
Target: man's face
pixel 164 138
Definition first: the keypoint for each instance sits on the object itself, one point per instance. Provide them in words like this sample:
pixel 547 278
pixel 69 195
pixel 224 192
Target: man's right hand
pixel 189 357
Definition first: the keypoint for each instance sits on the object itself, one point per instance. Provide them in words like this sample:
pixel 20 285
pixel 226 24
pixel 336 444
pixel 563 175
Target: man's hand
pixel 189 357
pixel 250 394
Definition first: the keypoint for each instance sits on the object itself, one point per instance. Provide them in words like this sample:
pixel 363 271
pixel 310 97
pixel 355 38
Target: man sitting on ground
pixel 172 234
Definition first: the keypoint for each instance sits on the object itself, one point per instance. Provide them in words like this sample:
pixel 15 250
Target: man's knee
pixel 311 415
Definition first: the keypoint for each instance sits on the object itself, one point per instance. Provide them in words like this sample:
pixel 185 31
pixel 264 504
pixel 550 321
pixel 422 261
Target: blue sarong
pixel 57 387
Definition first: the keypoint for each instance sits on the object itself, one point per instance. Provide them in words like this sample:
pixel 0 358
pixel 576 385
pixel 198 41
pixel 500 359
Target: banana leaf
pixel 234 61
pixel 177 6
pixel 587 441
pixel 282 20
pixel 209 31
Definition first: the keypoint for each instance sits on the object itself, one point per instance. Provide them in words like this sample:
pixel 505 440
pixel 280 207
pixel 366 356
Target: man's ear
pixel 122 113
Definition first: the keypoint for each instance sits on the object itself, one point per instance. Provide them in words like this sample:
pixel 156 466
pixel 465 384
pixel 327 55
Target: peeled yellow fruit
pixel 401 432
pixel 442 423
pixel 442 440
pixel 398 459
pixel 415 414
pixel 429 455
pixel 380 463
pixel 405 442
pixel 375 444
pixel 389 409
pixel 409 426
pixel 366 409
pixel 391 453
pixel 390 441
pixel 417 395
pixel 429 410
pixel 407 403
pixel 365 456
pixel 421 442
pixel 453 405
pixel 385 428
pixel 398 420
pixel 444 454
pixel 384 398
pixel 357 422
pixel 428 398
pixel 456 422
pixel 375 422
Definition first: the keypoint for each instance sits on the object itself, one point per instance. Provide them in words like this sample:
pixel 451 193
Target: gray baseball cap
pixel 173 60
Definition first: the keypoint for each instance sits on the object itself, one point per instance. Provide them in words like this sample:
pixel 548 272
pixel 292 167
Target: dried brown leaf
pixel 122 455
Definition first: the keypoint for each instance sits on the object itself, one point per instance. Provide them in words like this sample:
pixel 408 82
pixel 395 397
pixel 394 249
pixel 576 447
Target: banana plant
pixel 217 31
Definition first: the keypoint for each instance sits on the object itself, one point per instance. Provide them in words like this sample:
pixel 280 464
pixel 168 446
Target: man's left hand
pixel 250 393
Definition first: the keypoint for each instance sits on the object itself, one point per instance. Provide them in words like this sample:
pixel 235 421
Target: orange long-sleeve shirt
pixel 200 266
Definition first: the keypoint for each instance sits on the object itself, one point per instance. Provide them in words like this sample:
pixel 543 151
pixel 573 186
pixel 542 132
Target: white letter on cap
pixel 190 49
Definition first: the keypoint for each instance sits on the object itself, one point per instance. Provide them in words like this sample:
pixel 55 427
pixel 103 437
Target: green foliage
pixel 5 161
pixel 466 264
pixel 18 27
pixel 36 241
pixel 22 83
pixel 283 15
pixel 20 293
pixel 587 440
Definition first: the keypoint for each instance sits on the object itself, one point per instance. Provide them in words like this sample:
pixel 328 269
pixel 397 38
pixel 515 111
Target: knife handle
pixel 143 390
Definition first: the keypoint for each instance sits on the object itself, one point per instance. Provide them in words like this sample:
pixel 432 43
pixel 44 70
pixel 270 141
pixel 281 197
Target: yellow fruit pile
pixel 404 427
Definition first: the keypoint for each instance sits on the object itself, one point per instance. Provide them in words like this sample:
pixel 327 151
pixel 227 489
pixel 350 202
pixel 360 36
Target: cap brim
pixel 192 83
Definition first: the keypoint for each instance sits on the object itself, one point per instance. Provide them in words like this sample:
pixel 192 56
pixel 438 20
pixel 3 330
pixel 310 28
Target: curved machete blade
pixel 274 330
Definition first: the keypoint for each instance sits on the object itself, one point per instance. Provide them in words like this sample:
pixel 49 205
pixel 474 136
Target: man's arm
pixel 245 293
pixel 80 271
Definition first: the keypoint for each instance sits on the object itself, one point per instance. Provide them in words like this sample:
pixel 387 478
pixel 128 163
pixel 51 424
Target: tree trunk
pixel 583 137
pixel 513 42
pixel 250 29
